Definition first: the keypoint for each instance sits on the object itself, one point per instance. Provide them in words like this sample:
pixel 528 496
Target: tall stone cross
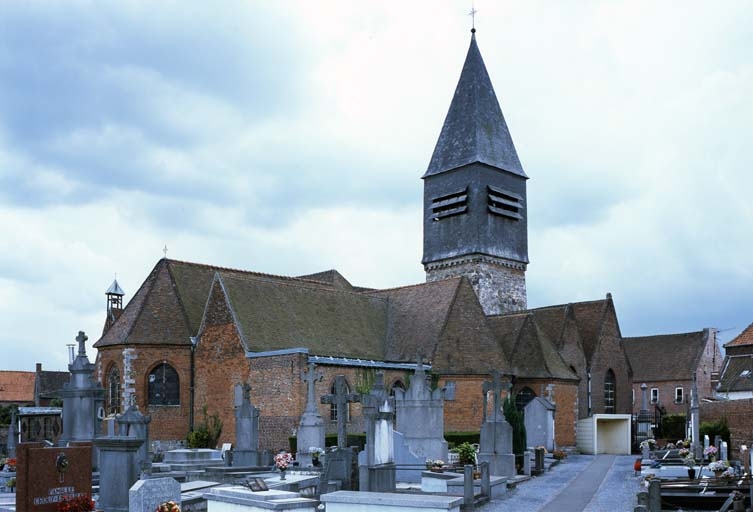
pixel 340 400
pixel 495 386
pixel 312 377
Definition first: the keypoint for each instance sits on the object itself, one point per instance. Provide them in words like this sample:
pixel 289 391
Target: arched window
pixel 164 386
pixel 524 396
pixel 113 390
pixel 609 392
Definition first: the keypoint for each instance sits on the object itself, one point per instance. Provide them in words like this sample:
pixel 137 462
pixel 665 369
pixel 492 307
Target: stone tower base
pixel 499 284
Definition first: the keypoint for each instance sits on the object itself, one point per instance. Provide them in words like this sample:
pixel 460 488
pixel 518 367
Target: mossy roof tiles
pixel 666 356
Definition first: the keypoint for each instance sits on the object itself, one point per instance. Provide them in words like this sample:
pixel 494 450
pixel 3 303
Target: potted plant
pixel 466 454
pixel 718 467
pixel 689 461
pixel 315 452
pixel 710 452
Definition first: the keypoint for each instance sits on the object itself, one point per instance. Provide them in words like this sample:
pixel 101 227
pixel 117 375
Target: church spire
pixel 474 130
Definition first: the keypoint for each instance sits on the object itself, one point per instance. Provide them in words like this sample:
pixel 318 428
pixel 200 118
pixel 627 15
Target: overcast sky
pixel 289 137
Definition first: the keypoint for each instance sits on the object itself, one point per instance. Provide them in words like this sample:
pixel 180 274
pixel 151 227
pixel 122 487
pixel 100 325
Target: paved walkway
pixel 581 483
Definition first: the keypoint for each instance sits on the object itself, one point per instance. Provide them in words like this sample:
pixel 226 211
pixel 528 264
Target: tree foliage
pixel 516 421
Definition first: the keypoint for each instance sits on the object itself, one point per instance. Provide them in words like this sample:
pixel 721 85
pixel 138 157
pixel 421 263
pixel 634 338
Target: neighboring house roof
pixel 665 356
pixel 474 129
pixel 529 349
pixel 737 374
pixel 52 382
pixel 331 277
pixel 16 386
pixel 744 338
pixel 275 314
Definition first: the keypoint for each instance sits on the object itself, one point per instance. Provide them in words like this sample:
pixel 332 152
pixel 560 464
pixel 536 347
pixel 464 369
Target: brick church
pixel 192 332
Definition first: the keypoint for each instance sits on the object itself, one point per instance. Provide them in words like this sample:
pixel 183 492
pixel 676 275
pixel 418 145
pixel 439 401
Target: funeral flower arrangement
pixel 10 464
pixel 689 460
pixel 283 460
pixel 315 451
pixel 710 451
pixel 649 443
pixel 81 503
pixel 168 506
pixel 431 463
pixel 718 465
pixel 684 452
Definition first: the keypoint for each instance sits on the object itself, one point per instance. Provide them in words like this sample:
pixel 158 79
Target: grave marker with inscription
pixel 46 476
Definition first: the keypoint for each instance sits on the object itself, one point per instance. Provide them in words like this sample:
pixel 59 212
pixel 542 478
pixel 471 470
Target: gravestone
pixel 419 417
pixel 134 424
pixel 495 445
pixel 311 426
pixel 146 495
pixel 340 400
pixel 644 419
pixel 539 461
pixel 724 453
pixel 246 452
pixel 119 469
pixel 82 399
pixel 377 463
pixel 539 422
pixel 40 424
pixel 706 442
pixel 46 475
pixel 718 444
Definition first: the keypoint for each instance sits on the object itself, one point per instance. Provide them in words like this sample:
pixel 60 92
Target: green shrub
pixel 207 434
pixel 516 421
pixel 715 428
pixel 673 426
pixel 466 454
pixel 457 438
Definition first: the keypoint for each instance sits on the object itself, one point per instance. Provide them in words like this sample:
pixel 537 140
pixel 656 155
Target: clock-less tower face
pixel 475 217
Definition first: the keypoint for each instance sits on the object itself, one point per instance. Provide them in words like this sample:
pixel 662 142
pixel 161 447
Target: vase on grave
pixel 718 473
pixel 282 474
pixel 691 473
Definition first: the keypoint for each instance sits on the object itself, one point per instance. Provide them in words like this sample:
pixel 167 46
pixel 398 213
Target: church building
pixel 192 332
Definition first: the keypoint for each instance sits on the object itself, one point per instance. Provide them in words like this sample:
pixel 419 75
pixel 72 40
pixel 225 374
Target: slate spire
pixel 474 129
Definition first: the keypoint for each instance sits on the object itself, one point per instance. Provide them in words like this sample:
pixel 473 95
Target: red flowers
pixel 81 503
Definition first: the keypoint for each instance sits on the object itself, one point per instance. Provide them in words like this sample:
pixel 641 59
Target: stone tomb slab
pixel 351 501
pixel 147 494
pixel 45 476
pixel 235 498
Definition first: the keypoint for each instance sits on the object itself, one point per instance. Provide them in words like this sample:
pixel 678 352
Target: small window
pixel 449 205
pixel 609 392
pixel 632 396
pixel 164 386
pixel 449 390
pixel 505 203
pixel 113 391
pixel 654 395
pixel 398 384
pixel 679 395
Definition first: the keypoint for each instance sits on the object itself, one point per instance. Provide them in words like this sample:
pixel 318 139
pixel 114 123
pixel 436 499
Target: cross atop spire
pixel 472 14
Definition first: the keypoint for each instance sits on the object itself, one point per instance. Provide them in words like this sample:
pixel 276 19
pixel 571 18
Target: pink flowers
pixel 283 460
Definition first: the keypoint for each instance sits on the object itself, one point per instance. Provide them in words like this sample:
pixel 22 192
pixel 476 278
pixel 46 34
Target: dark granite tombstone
pixel 46 476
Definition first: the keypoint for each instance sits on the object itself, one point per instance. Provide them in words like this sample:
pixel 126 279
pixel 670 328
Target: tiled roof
pixel 331 277
pixel 417 316
pixel 530 350
pixel 51 382
pixel 736 374
pixel 278 314
pixel 665 356
pixel 16 386
pixel 589 316
pixel 744 338
pixel 168 307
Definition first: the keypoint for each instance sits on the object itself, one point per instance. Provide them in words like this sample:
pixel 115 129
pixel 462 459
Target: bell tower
pixel 475 215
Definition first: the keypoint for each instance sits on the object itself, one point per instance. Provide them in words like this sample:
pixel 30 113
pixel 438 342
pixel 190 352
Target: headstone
pixel 45 475
pixel 339 468
pixel 496 433
pixel 311 427
pixel 724 454
pixel 118 470
pixel 706 441
pixel 527 463
pixel 146 495
pixel 654 495
pixel 745 456
pixel 718 444
pixel 377 472
pixel 246 452
pixel 419 417
pixel 644 430
pixel 412 465
pixel 340 400
pixel 539 461
pixel 82 399
pixel 539 422
pixel 135 425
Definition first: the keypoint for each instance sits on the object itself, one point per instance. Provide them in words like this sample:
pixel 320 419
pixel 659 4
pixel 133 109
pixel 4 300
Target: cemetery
pixel 105 463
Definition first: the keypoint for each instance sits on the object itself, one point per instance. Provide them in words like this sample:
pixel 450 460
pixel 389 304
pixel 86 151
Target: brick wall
pixel 610 354
pixel 564 395
pixel 666 395
pixel 739 416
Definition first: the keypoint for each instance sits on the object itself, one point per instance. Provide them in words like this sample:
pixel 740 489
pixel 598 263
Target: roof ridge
pixel 405 287
pixel 241 271
pixel 661 335
pixel 299 283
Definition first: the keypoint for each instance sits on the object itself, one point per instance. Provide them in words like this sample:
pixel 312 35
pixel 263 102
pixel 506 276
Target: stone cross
pixel 340 400
pixel 81 338
pixel 312 377
pixel 495 386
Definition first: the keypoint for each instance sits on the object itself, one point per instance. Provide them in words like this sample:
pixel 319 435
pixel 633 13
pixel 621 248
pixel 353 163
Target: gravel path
pixel 615 492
